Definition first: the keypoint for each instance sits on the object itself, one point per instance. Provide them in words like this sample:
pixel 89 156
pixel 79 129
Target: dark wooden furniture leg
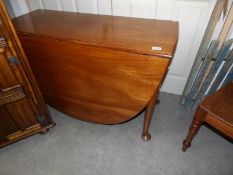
pixel 148 116
pixel 45 131
pixel 196 123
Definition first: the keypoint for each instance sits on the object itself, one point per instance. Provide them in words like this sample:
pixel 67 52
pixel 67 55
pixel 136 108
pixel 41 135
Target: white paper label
pixel 156 48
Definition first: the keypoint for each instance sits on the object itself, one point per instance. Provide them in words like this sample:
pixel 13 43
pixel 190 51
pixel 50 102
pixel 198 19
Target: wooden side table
pixel 216 110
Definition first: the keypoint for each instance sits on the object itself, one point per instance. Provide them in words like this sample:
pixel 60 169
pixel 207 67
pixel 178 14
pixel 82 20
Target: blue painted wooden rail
pixel 194 90
pixel 226 67
pixel 223 54
pixel 204 78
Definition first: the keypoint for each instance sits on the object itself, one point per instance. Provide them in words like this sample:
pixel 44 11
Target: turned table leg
pixel 148 116
pixel 193 130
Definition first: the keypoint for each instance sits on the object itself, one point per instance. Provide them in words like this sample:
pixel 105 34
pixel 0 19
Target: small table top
pixel 145 36
pixel 220 104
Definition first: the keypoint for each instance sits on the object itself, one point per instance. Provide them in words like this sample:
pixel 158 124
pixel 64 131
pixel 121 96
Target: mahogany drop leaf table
pixel 98 68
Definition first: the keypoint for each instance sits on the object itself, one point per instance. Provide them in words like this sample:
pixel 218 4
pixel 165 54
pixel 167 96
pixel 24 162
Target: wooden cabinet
pixel 22 109
pixel 97 68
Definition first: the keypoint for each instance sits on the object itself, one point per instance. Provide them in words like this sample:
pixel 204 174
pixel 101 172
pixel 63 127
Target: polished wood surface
pixel 148 115
pixel 92 83
pixel 221 104
pixel 98 68
pixel 21 104
pixel 131 34
pixel 216 110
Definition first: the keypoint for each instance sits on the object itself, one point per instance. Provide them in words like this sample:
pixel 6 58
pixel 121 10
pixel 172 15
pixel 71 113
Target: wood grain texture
pixel 98 68
pixel 21 100
pixel 128 34
pixel 96 84
pixel 220 104
pixel 215 110
pixel 11 94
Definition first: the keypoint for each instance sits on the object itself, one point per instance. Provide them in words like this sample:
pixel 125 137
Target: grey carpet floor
pixel 75 147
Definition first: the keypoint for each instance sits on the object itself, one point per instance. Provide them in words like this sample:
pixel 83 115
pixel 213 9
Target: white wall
pixel 193 16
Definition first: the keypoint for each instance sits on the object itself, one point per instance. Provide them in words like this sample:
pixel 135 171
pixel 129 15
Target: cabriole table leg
pixel 148 116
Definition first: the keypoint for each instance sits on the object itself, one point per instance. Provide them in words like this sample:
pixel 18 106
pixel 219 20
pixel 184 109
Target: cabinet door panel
pixel 7 124
pixel 17 112
pixel 16 106
pixel 7 78
pixel 22 109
